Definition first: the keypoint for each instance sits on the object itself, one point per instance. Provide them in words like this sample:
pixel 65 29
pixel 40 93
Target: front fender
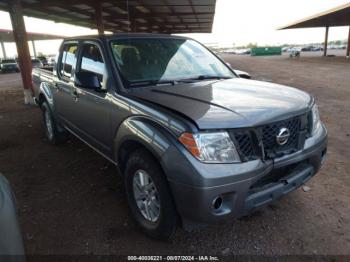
pixel 46 92
pixel 144 131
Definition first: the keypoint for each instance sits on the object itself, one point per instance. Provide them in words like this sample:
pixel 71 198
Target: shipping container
pixel 262 51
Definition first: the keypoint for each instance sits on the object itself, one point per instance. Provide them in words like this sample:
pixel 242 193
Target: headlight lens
pixel 316 122
pixel 211 147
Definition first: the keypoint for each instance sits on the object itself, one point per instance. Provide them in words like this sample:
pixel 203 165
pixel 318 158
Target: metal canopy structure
pixel 155 16
pixel 158 16
pixel 338 16
pixel 7 36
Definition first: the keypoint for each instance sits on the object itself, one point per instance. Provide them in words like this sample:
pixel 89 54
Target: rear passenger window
pixel 92 60
pixel 68 59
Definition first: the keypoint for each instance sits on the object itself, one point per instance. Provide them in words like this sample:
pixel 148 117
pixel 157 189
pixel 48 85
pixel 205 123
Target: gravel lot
pixel 71 200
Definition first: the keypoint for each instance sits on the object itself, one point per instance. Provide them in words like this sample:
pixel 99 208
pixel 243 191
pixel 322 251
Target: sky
pixel 235 23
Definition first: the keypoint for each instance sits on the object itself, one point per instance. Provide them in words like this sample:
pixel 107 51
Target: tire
pixel 164 227
pixel 54 134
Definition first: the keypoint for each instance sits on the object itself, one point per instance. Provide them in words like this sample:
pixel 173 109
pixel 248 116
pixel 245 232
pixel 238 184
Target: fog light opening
pixel 217 202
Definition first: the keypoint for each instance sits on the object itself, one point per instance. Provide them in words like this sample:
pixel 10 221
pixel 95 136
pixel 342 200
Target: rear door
pixel 92 111
pixel 64 84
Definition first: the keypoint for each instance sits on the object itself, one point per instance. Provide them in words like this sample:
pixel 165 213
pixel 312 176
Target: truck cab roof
pixel 125 35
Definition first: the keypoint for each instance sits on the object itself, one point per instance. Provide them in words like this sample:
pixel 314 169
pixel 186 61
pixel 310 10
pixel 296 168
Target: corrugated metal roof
pixel 157 16
pixel 338 16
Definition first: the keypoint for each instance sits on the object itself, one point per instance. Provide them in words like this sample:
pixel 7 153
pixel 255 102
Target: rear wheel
pixel 149 196
pixel 54 134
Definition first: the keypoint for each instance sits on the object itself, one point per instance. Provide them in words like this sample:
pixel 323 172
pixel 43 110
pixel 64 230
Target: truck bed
pixel 40 75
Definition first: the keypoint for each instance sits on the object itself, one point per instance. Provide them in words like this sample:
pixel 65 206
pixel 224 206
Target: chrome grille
pixel 270 131
pixel 266 134
pixel 245 145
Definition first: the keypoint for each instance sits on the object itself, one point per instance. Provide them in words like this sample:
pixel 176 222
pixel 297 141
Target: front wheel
pixel 54 134
pixel 149 197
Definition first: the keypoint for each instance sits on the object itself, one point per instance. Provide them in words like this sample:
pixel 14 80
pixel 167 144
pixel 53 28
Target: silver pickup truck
pixel 195 143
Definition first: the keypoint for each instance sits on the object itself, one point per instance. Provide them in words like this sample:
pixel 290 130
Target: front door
pixel 92 110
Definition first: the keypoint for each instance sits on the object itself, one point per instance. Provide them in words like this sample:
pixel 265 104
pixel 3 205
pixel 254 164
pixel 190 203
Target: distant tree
pixel 40 54
pixel 252 45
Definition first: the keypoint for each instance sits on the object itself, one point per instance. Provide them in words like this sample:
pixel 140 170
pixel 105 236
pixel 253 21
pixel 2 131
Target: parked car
pixel 8 65
pixel 285 49
pixel 243 52
pixel 307 48
pixel 51 60
pixel 294 52
pixel 43 60
pixel 196 144
pixel 36 63
pixel 317 48
pixel 11 244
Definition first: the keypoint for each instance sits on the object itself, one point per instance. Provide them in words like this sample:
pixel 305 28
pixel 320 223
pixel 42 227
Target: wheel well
pixel 126 149
pixel 42 99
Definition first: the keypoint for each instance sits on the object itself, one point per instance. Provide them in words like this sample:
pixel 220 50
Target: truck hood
pixel 232 103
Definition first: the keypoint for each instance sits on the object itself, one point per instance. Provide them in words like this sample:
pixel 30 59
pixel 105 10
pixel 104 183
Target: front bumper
pixel 242 187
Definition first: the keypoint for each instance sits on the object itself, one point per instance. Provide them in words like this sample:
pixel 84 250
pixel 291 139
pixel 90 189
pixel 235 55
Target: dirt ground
pixel 71 200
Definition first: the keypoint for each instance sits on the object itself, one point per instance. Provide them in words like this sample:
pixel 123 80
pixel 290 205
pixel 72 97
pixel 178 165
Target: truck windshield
pixel 163 60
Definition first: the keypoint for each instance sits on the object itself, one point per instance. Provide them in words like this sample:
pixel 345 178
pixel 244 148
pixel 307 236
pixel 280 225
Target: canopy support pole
pixel 325 42
pixel 99 18
pixel 34 49
pixel 21 39
pixel 3 49
pixel 348 48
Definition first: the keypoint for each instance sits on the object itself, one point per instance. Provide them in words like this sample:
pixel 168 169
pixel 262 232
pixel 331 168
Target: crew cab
pixel 195 143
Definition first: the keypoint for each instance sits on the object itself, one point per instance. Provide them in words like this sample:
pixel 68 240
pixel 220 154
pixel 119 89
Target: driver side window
pixel 92 61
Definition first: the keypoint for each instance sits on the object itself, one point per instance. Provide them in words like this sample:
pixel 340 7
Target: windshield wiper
pixel 152 83
pixel 203 77
pixel 144 83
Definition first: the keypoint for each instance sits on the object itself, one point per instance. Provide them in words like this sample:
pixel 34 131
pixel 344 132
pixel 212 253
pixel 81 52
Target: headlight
pixel 316 122
pixel 211 147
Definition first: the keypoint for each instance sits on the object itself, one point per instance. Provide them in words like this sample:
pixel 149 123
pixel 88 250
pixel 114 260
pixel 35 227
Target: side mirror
pixel 87 80
pixel 242 74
